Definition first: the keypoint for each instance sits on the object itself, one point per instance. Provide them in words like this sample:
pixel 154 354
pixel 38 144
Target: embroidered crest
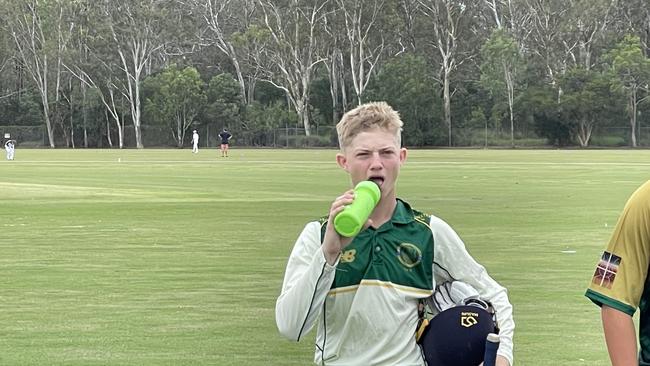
pixel 409 255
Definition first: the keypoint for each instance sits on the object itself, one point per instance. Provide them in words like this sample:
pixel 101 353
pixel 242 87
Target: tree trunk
pixel 447 106
pixel 84 114
pixel 510 85
pixel 137 113
pixel 108 130
pixel 48 122
pixel 632 107
pixel 303 116
pixel 584 132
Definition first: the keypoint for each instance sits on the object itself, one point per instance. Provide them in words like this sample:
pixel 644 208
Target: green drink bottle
pixel 349 222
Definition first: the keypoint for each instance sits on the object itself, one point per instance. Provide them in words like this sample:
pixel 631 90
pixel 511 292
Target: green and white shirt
pixel 621 278
pixel 366 304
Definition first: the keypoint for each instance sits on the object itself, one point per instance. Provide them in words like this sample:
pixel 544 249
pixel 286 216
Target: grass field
pixel 162 257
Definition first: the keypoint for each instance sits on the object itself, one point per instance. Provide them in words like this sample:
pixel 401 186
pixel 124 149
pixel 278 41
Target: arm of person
pixel 452 257
pixel 307 280
pixel 620 336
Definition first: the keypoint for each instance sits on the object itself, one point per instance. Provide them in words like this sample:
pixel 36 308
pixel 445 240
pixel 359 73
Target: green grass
pixel 161 257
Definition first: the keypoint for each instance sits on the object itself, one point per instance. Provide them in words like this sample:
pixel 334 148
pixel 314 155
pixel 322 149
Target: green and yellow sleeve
pixel 620 275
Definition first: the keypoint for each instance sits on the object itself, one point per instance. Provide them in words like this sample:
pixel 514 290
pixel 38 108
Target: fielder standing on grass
pixel 225 141
pixel 10 149
pixel 195 142
pixel 363 292
pixel 621 283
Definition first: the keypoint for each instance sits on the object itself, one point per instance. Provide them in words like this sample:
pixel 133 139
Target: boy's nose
pixel 376 161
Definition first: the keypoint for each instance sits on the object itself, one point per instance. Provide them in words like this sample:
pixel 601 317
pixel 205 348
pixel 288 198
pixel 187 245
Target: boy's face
pixel 373 155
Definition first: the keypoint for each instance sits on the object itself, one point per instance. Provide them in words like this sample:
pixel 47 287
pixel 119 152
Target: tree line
pixel 105 73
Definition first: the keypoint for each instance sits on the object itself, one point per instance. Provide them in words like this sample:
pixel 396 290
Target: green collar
pixel 403 213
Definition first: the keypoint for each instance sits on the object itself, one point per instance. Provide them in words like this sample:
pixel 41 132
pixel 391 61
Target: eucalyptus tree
pixel 564 34
pixel 495 7
pixel 225 26
pixel 409 33
pixel 7 58
pixel 544 40
pixel 252 44
pixel 631 70
pixel 224 103
pixel 586 100
pixel 137 30
pixel 365 39
pixel 587 22
pixel 107 91
pixel 296 29
pixel 41 31
pixel 501 65
pixel 407 83
pixel 97 67
pixel 450 22
pixel 175 98
pixel 332 53
pixel 634 17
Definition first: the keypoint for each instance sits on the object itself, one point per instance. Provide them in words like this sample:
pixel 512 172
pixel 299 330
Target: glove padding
pixel 450 294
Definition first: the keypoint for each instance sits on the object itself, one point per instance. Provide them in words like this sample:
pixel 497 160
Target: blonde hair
pixel 366 117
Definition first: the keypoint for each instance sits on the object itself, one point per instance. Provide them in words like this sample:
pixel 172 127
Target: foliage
pixel 632 76
pixel 500 69
pixel 499 54
pixel 407 84
pixel 174 97
pixel 224 103
pixel 481 54
pixel 21 110
pixel 586 100
pixel 628 63
pixel 548 121
pixel 262 120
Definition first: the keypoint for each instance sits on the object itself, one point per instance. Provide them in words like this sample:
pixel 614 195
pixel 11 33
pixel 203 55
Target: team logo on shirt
pixel 606 270
pixel 348 256
pixel 409 255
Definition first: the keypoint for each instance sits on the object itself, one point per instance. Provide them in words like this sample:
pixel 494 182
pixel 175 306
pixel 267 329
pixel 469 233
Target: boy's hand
pixel 334 243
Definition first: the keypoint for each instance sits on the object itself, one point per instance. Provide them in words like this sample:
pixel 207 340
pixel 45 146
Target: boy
pixel 364 291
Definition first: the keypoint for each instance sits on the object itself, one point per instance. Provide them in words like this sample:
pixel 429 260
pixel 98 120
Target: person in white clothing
pixel 363 292
pixel 195 142
pixel 10 148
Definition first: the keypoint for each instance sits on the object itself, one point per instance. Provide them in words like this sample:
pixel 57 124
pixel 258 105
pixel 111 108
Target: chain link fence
pixel 321 136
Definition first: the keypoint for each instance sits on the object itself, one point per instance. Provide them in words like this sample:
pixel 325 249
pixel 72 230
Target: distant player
pixel 10 149
pixel 621 283
pixel 225 141
pixel 195 142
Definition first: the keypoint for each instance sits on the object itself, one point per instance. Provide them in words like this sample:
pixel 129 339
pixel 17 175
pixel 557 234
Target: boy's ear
pixel 342 161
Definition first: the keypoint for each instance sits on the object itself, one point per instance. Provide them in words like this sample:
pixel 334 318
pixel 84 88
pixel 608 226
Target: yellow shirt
pixel 621 278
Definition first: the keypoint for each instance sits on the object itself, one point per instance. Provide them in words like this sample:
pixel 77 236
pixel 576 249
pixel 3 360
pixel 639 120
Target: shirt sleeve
pixel 452 257
pixel 621 273
pixel 307 280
